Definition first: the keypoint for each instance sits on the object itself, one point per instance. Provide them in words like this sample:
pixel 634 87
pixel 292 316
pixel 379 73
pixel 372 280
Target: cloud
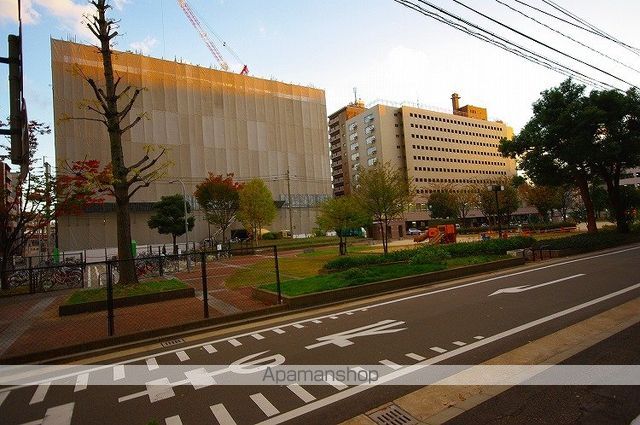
pixel 9 12
pixel 145 46
pixel 119 4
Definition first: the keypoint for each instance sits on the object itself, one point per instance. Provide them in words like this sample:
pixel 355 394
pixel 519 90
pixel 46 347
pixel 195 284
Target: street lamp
pixel 186 225
pixel 497 188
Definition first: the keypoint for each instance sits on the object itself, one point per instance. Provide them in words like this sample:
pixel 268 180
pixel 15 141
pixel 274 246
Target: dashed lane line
pixel 222 415
pixel 298 326
pixel 389 363
pixel 278 331
pixel 152 364
pixel 3 397
pixel 265 405
pixel 438 350
pixel 234 342
pixel 257 336
pixel 415 356
pixel 173 420
pixel 182 356
pixel 118 372
pixel 459 343
pixel 338 385
pixel 81 382
pixel 479 337
pixel 302 394
pixel 40 393
pixel 209 348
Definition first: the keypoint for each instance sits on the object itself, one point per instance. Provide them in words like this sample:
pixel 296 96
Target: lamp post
pixel 186 224
pixel 497 188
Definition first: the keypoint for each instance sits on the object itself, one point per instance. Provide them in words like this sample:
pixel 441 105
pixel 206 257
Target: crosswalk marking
pixel 478 337
pixel 209 349
pixel 58 415
pixel 40 393
pixel 336 384
pixel 118 372
pixel 173 420
pixel 415 356
pixel 264 404
pixel 278 331
pixel 235 342
pixel 81 382
pixel 459 343
pixel 222 415
pixel 438 350
pixel 301 393
pixel 152 364
pixel 317 321
pixel 298 326
pixel 159 389
pixel 392 365
pixel 199 378
pixel 257 336
pixel 182 356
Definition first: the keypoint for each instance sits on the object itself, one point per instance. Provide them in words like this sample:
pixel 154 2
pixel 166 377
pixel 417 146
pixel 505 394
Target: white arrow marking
pixel 59 415
pixel 517 289
pixel 342 339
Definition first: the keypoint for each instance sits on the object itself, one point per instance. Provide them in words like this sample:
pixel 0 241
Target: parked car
pixel 413 231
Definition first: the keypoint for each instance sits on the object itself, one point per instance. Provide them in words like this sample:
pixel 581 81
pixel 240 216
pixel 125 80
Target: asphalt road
pixel 463 323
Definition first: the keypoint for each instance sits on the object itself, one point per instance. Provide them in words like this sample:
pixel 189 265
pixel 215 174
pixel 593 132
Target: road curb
pixel 434 404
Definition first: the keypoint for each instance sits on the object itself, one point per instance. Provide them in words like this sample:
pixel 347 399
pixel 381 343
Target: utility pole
pixel 289 202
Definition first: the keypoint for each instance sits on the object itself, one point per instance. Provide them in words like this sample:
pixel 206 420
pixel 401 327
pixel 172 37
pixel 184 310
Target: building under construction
pixel 210 121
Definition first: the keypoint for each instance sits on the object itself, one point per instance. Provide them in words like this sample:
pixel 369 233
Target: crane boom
pixel 193 18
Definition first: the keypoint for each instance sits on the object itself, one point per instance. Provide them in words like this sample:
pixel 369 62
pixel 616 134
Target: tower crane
pixel 193 18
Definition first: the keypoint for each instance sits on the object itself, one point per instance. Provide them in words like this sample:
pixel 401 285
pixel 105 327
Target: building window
pixel 372 161
pixel 371 140
pixel 369 129
pixel 353 126
pixel 353 137
pixel 354 146
pixel 371 151
pixel 368 118
pixel 355 156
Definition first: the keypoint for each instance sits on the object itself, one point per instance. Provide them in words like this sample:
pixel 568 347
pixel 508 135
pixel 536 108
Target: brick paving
pixel 30 323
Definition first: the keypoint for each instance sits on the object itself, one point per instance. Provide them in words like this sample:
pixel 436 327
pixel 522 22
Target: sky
pixel 385 50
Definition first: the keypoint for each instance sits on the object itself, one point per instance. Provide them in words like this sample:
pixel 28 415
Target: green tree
pixel 111 107
pixel 555 146
pixel 385 194
pixel 168 217
pixel 256 206
pixel 467 199
pixel 616 141
pixel 508 200
pixel 443 204
pixel 544 198
pixel 219 198
pixel 341 214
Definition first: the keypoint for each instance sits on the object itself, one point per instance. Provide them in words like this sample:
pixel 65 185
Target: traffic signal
pixel 17 108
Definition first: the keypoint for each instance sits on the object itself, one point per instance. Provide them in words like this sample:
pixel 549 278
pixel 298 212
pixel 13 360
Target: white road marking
pixel 3 397
pixel 523 288
pixel 199 378
pixel 333 317
pixel 392 365
pixel 438 350
pixel 257 336
pixel 278 331
pixel 301 393
pixel 338 385
pixel 40 393
pixel 235 342
pixel 365 309
pixel 264 404
pixel 59 415
pixel 381 304
pixel 81 382
pixel 459 343
pixel 636 421
pixel 222 415
pixel 349 313
pixel 317 321
pixel 342 339
pixel 152 364
pixel 291 414
pixel 173 420
pixel 478 337
pixel 182 356
pixel 159 389
pixel 118 372
pixel 415 356
pixel 209 349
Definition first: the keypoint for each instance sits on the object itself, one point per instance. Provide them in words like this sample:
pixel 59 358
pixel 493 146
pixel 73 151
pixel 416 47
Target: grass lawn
pixel 362 275
pixel 123 291
pixel 284 244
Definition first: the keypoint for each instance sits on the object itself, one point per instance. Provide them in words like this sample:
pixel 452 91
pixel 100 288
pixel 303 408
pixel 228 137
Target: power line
pixel 567 36
pixel 504 44
pixel 542 43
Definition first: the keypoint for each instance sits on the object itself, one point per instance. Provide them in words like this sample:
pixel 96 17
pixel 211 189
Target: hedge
pixel 584 242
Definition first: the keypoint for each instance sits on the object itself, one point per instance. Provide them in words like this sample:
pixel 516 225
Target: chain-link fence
pixel 172 290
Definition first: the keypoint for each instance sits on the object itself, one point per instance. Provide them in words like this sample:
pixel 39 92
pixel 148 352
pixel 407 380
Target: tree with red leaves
pixel 219 199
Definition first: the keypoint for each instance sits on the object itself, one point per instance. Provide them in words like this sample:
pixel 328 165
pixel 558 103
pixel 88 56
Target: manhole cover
pixel 393 415
pixel 172 342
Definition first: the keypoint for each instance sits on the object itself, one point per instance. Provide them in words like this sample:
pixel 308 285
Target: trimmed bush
pixel 584 242
pixel 269 236
pixel 430 256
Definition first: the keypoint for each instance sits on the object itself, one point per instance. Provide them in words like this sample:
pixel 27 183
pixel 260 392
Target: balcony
pixel 334 138
pixel 334 130
pixel 335 147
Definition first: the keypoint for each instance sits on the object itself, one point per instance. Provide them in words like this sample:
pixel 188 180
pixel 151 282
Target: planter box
pixel 93 306
pixel 326 297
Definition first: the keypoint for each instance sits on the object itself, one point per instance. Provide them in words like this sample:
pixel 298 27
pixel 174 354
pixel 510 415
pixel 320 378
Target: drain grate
pixel 172 342
pixel 393 415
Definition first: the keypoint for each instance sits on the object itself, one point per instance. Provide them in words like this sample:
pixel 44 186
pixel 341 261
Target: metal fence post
pixel 32 284
pixel 110 299
pixel 205 293
pixel 160 265
pixel 275 256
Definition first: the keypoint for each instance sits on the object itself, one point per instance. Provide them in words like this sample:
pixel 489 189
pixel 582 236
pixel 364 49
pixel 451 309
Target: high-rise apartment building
pixel 434 149
pixel 209 121
pixel 337 145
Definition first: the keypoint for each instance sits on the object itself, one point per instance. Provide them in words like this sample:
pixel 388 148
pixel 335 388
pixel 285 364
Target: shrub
pixel 269 236
pixel 589 241
pixel 437 255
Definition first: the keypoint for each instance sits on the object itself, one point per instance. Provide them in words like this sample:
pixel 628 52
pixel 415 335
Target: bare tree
pixel 113 105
